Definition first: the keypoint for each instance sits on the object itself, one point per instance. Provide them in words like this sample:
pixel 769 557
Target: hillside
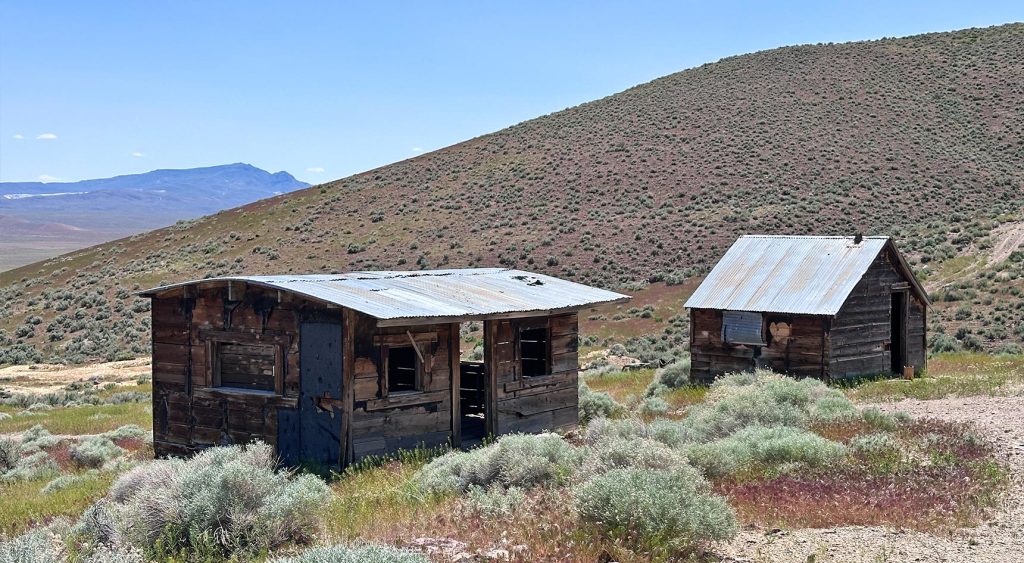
pixel 40 220
pixel 915 137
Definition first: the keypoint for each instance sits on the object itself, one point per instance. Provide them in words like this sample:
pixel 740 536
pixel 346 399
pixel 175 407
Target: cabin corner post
pixel 347 384
pixel 454 357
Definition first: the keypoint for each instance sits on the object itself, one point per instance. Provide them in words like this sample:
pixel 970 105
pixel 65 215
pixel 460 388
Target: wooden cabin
pixel 826 307
pixel 333 368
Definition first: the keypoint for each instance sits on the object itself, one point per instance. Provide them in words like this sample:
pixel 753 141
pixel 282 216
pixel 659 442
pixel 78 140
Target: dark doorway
pixel 473 386
pixel 898 331
pixel 320 364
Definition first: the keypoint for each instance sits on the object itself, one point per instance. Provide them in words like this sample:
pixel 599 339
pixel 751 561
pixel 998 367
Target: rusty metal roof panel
pixel 471 293
pixel 787 274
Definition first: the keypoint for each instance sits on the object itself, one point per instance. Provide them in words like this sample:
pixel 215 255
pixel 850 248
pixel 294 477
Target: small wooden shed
pixel 826 307
pixel 333 368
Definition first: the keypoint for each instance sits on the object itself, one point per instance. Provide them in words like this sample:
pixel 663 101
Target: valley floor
pixel 999 539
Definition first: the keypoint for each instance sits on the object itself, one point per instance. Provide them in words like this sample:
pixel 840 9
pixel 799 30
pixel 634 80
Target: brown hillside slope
pixel 916 137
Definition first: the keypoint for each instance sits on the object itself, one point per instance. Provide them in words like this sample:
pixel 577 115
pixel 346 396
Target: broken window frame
pixel 214 340
pixel 546 359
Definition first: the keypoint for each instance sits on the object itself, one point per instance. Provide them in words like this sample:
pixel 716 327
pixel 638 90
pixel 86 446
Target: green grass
pixel 950 375
pixel 24 504
pixel 621 385
pixel 88 419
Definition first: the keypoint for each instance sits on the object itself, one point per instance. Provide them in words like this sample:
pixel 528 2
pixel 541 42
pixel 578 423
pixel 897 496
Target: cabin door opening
pixel 473 379
pixel 898 331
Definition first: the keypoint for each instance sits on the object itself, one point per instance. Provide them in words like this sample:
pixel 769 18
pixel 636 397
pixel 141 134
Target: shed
pixel 333 368
pixel 827 307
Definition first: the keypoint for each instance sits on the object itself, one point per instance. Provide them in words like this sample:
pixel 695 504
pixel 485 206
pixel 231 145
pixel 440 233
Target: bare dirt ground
pixel 43 378
pixel 1001 538
pixel 1009 238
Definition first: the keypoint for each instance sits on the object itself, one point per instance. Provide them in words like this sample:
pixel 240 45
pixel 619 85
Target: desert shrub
pixel 658 510
pixel 4 416
pixel 831 409
pixel 622 453
pixel 494 501
pixel 519 460
pixel 594 404
pixel 10 453
pixel 366 553
pixel 127 432
pixel 63 482
pixel 228 501
pixel 38 465
pixel 878 420
pixel 941 343
pixel 653 406
pixel 878 444
pixel 94 451
pixel 39 545
pixel 672 376
pixel 760 398
pixel 758 446
pixel 36 438
pixel 668 432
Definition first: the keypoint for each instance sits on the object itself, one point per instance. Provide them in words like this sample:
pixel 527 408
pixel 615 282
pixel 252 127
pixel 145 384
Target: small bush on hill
pixel 653 406
pixel 38 465
pixel 494 501
pixel 37 438
pixel 519 460
pixel 673 511
pixel 10 453
pixel 368 553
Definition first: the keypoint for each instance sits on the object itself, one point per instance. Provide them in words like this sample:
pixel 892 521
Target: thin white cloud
pixel 417 149
pixel 138 154
pixel 46 137
pixel 48 178
pixel 18 136
pixel 317 169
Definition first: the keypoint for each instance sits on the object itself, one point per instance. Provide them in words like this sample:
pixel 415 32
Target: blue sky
pixel 328 89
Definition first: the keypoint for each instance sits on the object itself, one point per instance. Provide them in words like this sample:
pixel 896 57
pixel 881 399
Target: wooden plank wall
pixel 859 340
pixel 917 334
pixel 188 413
pixel 532 404
pixel 798 346
pixel 382 425
pixel 709 355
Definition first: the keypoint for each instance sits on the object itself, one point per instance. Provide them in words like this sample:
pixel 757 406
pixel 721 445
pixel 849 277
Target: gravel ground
pixel 999 539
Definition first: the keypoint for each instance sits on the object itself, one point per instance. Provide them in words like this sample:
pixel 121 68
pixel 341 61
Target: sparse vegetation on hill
pixel 913 137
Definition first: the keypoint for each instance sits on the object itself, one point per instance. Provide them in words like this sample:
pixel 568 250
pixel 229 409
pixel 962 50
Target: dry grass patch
pixel 86 419
pixel 950 375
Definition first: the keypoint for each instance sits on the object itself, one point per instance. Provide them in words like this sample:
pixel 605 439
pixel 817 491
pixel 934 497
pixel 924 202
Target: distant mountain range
pixel 40 220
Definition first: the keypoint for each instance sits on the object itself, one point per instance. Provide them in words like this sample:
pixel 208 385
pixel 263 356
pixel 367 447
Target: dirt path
pixel 1000 539
pixel 42 378
pixel 1009 238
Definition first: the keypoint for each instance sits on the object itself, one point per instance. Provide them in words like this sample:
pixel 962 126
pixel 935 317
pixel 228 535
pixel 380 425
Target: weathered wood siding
pixel 189 413
pixel 532 404
pixel 383 423
pixel 860 337
pixel 795 344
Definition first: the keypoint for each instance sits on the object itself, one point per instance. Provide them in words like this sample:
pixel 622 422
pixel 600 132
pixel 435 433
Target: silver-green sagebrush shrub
pixel 365 553
pixel 876 444
pixel 669 432
pixel 229 501
pixel 596 404
pixel 94 451
pixel 672 510
pixel 759 446
pixel 520 460
pixel 10 453
pixel 672 376
pixel 635 453
pixel 37 438
pixel 653 406
pixel 38 465
pixel 832 409
pixel 40 545
pixel 494 501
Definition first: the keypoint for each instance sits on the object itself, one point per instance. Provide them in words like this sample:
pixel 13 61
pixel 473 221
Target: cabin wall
pixel 381 422
pixel 532 404
pixel 860 337
pixel 795 344
pixel 189 413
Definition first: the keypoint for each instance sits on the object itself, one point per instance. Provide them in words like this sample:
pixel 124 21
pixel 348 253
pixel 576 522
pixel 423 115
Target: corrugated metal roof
pixel 470 293
pixel 790 274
